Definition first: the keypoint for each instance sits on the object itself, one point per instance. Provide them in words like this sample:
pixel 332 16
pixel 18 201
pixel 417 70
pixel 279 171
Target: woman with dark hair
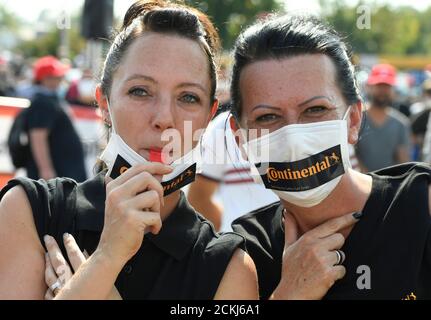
pixel 293 83
pixel 143 237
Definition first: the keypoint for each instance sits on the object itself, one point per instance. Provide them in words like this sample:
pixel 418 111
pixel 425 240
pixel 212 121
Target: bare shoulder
pixel 203 186
pixel 22 265
pixel 15 208
pixel 239 281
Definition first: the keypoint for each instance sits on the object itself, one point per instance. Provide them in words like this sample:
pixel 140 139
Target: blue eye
pixel 139 92
pixel 190 98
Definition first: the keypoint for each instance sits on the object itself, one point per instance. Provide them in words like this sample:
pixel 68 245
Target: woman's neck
pixel 171 202
pixel 349 196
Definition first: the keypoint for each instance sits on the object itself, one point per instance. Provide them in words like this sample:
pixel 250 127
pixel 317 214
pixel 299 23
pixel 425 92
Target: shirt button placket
pixel 128 269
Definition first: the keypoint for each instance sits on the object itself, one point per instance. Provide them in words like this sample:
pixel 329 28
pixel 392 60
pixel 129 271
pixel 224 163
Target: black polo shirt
pixel 186 260
pixel 388 252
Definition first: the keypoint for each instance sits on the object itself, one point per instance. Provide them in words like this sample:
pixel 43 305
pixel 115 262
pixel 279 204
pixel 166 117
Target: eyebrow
pixel 182 85
pixel 140 76
pixel 265 106
pixel 192 84
pixel 299 105
pixel 315 98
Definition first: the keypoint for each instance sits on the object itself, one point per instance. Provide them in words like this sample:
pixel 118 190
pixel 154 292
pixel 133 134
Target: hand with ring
pixel 57 270
pixel 341 256
pixel 312 262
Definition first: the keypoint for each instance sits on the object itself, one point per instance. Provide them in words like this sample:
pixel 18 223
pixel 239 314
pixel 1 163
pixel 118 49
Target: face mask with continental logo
pixel 301 163
pixel 119 157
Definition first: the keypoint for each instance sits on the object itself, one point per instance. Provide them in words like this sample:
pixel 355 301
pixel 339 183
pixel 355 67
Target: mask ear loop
pixel 234 128
pixel 110 137
pixel 212 115
pixel 345 118
pixel 243 145
pixel 114 131
pixel 347 113
pixel 245 154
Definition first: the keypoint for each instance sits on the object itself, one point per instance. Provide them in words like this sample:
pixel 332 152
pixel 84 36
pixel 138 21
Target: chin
pixel 143 153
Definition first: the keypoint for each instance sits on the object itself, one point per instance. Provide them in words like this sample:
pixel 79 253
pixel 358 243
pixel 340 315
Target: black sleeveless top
pixel 388 252
pixel 186 260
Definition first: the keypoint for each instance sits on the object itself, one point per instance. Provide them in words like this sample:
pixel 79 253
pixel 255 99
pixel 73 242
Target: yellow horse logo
pixel 334 157
pixel 410 296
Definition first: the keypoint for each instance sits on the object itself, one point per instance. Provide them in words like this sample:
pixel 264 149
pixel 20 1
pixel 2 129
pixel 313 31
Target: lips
pixel 156 154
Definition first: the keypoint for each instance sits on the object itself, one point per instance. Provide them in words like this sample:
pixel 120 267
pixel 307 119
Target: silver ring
pixel 55 286
pixel 340 257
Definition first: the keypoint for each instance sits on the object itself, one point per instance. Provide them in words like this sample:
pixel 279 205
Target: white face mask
pixel 119 157
pixel 301 163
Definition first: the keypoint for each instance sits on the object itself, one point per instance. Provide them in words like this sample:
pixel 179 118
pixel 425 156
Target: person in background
pixel 6 82
pixel 425 102
pixel 385 138
pixel 81 92
pixel 428 71
pixel 56 149
pixel 421 123
pixel 26 84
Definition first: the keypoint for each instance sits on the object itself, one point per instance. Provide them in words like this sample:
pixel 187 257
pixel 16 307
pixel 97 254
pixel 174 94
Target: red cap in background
pixel 382 73
pixel 49 66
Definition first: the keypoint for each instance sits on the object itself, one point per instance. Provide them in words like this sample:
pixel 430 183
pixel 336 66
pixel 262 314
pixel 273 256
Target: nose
pixel 164 117
pixel 291 117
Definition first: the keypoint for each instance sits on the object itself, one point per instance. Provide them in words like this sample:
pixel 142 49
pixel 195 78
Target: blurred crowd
pixel 19 78
pixel 54 145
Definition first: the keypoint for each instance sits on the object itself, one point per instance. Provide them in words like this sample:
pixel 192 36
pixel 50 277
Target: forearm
pixel 200 196
pixel 93 280
pixel 40 150
pixel 210 210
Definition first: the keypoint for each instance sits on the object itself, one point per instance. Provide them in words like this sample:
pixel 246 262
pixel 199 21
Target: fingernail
pixel 47 239
pixel 358 215
pixel 65 236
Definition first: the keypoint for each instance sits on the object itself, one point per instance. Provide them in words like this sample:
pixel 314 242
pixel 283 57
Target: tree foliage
pixel 231 16
pixel 393 30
